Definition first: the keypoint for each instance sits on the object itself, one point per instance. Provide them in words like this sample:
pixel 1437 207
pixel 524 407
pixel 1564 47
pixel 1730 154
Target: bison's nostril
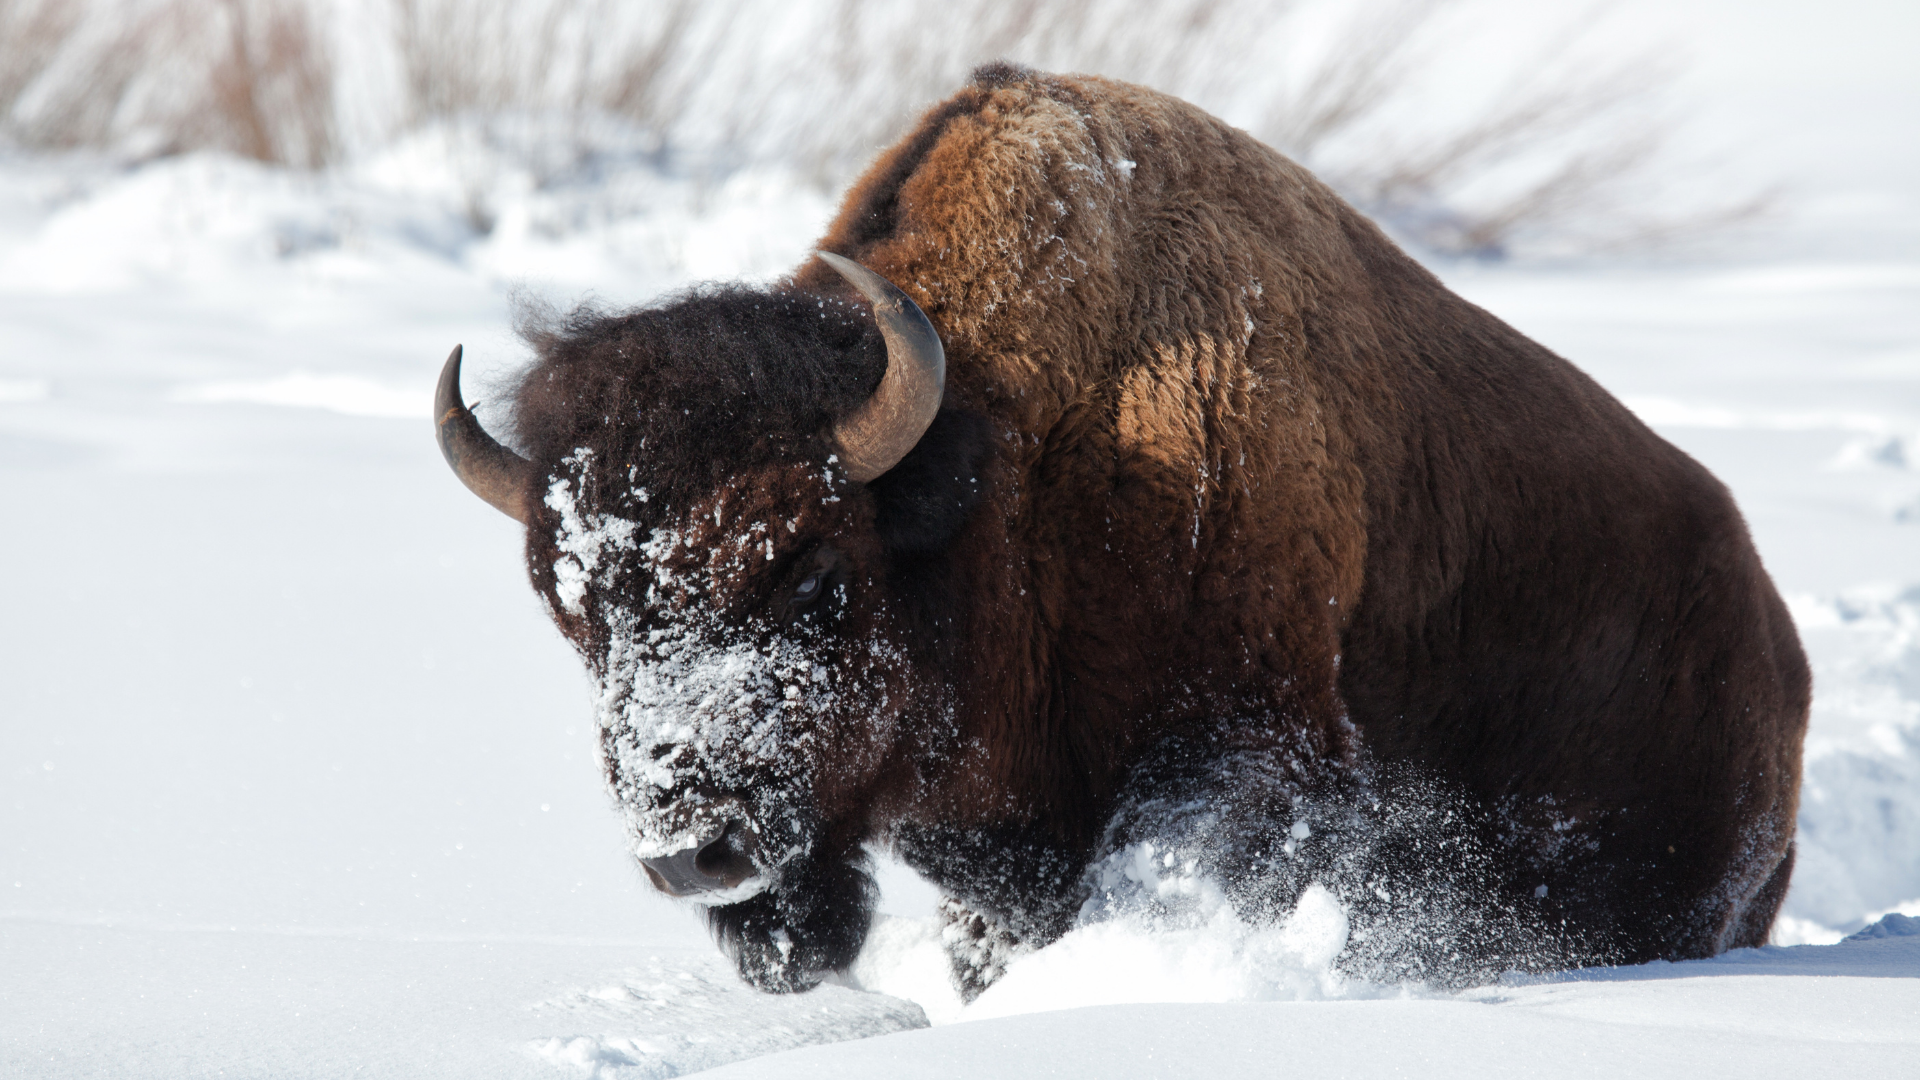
pixel 712 859
pixel 726 859
pixel 715 866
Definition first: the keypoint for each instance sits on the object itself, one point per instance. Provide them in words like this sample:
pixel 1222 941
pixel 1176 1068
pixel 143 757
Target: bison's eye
pixel 824 572
pixel 809 590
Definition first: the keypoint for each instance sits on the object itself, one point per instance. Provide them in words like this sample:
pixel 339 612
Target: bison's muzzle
pixel 711 870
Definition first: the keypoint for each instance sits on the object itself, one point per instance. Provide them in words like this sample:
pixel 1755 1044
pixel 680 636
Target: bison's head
pixel 736 507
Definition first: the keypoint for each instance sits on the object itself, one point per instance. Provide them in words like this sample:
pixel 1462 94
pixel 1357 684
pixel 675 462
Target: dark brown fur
pixel 1224 476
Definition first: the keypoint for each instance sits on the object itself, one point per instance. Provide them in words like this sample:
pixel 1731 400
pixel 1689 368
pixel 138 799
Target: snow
pixel 581 543
pixel 350 394
pixel 117 1001
pixel 1705 1024
pixel 297 779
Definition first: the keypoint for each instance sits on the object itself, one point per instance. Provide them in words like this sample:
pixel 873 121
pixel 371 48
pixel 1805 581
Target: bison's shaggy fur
pixel 1234 517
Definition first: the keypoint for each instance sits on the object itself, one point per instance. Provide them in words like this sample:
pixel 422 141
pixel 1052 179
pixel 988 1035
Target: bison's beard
pixel 812 922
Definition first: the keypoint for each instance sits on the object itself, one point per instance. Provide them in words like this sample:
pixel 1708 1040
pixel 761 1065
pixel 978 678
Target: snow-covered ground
pixel 295 780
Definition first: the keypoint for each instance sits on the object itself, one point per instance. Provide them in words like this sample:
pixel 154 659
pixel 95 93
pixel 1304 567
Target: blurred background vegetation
pixel 1547 143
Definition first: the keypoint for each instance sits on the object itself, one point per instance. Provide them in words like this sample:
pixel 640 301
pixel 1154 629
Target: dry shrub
pixel 32 33
pixel 464 58
pixel 1568 148
pixel 1565 150
pixel 476 57
pixel 270 88
pixel 251 77
pixel 878 63
pixel 79 73
pixel 820 86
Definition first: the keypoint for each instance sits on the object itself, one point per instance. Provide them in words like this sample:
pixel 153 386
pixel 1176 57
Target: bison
pixel 1108 481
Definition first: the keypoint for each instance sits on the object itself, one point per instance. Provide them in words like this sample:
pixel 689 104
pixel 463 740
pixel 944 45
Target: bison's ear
pixel 923 500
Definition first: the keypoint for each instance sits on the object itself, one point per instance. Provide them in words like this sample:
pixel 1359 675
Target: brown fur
pixel 1409 515
pixel 1261 488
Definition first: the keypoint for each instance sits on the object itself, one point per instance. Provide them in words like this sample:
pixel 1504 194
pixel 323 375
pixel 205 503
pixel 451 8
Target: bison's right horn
pixel 489 470
pixel 879 433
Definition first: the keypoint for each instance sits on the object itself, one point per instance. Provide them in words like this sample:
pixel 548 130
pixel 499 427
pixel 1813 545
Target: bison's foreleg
pixel 1210 816
pixel 979 945
pixel 1010 889
pixel 1419 870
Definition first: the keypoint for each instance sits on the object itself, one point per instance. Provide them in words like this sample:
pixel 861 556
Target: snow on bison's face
pixel 749 684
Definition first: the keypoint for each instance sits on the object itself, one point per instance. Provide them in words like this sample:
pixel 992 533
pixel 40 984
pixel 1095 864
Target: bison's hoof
pixel 980 947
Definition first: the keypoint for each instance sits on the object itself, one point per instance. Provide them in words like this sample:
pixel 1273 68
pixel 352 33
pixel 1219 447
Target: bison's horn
pixel 489 470
pixel 879 433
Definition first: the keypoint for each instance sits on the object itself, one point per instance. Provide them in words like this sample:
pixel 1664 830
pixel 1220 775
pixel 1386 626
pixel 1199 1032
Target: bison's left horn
pixel 879 433
pixel 489 470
